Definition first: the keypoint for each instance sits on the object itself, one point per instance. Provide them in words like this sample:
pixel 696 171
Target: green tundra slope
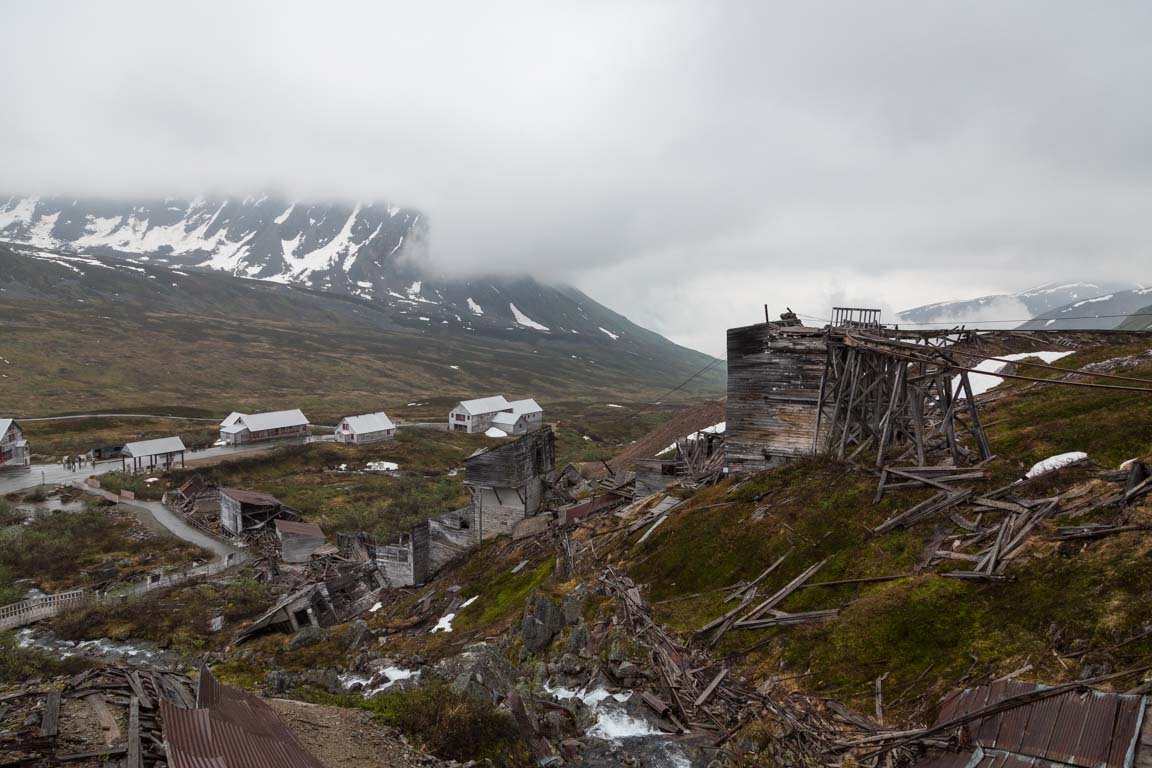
pixel 86 334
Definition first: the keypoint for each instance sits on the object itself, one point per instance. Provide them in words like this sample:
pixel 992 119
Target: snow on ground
pixel 495 432
pixel 445 624
pixel 613 336
pixel 524 320
pixel 393 675
pixel 476 308
pixel 982 382
pixel 382 466
pixel 715 429
pixel 454 367
pixel 468 602
pixel 613 405
pixel 1053 463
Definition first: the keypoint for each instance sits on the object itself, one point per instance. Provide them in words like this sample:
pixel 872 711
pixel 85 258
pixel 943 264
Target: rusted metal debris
pixel 229 728
pixel 37 724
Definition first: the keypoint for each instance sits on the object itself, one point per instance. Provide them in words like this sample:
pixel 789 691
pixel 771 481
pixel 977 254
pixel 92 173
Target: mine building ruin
pixel 853 387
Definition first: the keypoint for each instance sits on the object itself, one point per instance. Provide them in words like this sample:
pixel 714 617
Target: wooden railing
pixel 39 608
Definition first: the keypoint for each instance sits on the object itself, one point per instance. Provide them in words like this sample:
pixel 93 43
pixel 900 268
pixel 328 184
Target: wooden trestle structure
pixel 882 390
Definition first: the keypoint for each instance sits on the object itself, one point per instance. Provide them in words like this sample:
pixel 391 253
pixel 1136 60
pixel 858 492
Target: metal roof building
pixel 272 425
pixel 365 428
pixel 151 454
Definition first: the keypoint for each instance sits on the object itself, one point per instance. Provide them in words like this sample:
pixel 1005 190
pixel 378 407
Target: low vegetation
pixel 56 551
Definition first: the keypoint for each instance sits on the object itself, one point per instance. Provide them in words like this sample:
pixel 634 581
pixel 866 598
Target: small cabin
pixel 241 428
pixel 366 428
pixel 298 540
pixel 13 447
pixel 244 511
pixel 159 454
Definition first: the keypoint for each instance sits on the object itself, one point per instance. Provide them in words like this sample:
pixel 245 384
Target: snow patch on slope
pixel 524 320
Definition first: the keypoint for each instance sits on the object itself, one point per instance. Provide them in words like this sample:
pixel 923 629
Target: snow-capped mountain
pixel 1007 307
pixel 368 250
pixel 335 247
pixel 1109 310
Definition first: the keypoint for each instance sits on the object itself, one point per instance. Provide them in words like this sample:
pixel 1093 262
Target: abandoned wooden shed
pixel 298 540
pixel 162 453
pixel 366 428
pixel 13 447
pixel 306 607
pixel 240 428
pixel 508 482
pixel 244 511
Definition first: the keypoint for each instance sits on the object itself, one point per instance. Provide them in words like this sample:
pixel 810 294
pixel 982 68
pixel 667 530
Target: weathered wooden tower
pixel 851 388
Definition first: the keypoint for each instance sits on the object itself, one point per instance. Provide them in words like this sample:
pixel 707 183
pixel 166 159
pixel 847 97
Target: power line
pixel 1026 320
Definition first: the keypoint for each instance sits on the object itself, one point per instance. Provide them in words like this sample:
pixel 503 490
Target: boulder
pixel 480 671
pixel 358 632
pixel 309 635
pixel 278 681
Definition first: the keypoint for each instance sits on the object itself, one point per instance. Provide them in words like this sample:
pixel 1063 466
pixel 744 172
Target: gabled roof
pixel 505 419
pixel 369 422
pixel 485 405
pixel 231 418
pixel 299 528
pixel 525 406
pixel 5 424
pixel 153 447
pixel 260 422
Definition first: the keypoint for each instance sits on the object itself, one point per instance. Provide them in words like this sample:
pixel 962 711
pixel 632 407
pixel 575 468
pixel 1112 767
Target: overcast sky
pixel 684 163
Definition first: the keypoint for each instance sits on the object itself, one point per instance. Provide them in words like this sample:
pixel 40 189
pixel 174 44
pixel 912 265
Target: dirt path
pixel 349 738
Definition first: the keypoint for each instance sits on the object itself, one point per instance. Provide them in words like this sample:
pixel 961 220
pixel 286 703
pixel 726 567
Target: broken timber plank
pixel 134 758
pixel 107 722
pixel 50 721
pixel 703 697
pixel 784 592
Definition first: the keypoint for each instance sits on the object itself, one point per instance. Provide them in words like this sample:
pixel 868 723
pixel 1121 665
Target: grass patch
pixel 63 550
pixel 450 725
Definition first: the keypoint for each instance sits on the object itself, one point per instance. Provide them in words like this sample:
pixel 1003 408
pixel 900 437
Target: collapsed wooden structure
pixel 851 387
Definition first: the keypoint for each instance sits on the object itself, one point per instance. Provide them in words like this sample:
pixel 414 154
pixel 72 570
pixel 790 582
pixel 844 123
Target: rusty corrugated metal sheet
pixel 1092 729
pixel 230 728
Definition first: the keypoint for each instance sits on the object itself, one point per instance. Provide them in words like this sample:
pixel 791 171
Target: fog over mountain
pixel 683 162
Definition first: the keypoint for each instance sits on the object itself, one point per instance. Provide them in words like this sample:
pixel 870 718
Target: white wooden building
pixel 13 447
pixel 241 428
pixel 511 416
pixel 524 417
pixel 476 415
pixel 365 428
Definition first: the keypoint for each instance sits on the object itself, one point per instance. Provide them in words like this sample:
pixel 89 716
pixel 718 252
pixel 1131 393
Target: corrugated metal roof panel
pixel 229 729
pixel 1096 729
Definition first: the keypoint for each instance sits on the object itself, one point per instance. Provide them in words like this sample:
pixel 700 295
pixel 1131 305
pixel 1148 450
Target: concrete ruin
pixel 509 483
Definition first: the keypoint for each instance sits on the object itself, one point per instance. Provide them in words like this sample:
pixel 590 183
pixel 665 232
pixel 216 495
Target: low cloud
pixel 685 162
